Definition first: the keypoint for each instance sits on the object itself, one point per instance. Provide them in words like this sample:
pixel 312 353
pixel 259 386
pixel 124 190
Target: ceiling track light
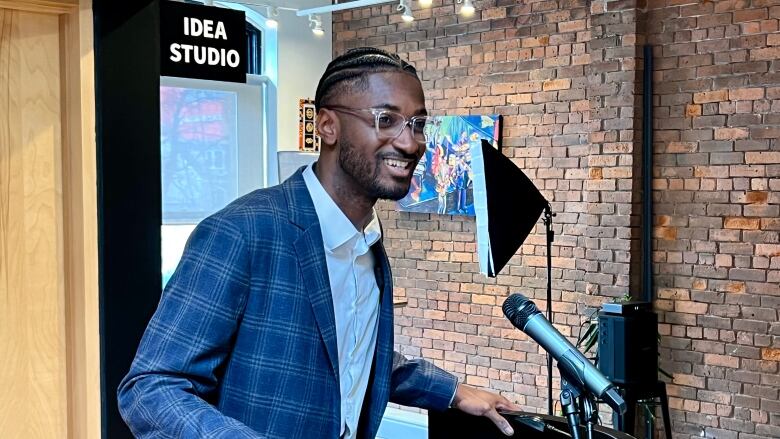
pixel 467 10
pixel 271 13
pixel 315 23
pixel 407 15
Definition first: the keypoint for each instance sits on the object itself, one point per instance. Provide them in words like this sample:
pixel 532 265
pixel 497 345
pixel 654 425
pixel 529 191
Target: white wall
pixel 302 60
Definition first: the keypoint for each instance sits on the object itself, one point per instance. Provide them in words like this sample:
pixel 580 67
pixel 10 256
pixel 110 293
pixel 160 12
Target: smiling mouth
pixel 398 164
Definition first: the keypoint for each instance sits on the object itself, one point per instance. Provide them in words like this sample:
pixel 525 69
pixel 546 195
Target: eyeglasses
pixel 389 124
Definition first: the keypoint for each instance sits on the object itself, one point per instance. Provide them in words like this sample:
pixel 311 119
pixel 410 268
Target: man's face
pixel 381 168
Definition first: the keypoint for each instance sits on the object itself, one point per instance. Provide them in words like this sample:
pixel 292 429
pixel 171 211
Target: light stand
pixel 547 219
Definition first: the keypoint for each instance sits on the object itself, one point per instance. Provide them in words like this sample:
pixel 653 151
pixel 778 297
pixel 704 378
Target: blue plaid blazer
pixel 243 342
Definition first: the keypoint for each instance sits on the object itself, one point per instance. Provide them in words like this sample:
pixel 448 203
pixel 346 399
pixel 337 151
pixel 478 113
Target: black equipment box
pixel 628 344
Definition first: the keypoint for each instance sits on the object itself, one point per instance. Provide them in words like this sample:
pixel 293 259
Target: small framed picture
pixel 308 140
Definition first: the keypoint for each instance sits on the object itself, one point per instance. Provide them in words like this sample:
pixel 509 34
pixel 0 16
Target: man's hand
pixel 481 403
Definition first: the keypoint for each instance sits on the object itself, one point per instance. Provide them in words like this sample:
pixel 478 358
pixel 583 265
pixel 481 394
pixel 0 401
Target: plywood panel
pixel 33 402
pixel 46 6
pixel 80 214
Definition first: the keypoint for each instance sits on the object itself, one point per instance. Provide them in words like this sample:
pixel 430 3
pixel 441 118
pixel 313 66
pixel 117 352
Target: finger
pixel 505 405
pixel 500 422
pixel 507 408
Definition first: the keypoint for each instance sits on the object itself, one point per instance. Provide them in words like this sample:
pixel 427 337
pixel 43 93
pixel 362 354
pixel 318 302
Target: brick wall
pixel 566 75
pixel 717 188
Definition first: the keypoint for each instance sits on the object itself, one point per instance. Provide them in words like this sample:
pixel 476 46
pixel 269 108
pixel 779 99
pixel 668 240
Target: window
pixel 217 140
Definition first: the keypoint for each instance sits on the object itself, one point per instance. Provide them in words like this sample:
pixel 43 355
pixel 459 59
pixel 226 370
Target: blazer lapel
pixel 311 260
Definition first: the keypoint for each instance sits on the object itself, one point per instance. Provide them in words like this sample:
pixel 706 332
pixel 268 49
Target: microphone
pixel 575 368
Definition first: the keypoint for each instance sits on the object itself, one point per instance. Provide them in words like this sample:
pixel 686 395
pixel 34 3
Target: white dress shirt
pixel 355 297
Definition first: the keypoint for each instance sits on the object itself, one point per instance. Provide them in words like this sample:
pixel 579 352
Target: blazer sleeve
pixel 419 383
pixel 174 373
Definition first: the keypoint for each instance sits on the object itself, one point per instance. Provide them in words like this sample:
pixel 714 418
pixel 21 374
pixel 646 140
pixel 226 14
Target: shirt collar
pixel 336 228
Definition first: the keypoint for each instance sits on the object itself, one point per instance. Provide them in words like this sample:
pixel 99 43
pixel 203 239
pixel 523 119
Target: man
pixel 278 322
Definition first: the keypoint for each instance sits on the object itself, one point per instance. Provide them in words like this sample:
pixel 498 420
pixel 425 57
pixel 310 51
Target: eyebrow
pixel 420 112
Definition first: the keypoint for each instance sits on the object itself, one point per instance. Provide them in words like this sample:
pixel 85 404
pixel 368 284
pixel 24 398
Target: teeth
pixel 396 163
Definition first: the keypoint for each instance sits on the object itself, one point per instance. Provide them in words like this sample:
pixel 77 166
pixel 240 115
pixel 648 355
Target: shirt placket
pixel 358 249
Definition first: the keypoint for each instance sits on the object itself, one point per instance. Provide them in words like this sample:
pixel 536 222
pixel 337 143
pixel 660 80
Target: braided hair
pixel 349 72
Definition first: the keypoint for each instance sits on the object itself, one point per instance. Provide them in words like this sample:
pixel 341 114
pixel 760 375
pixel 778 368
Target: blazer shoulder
pixel 259 208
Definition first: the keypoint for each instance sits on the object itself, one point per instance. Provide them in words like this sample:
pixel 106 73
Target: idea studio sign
pixel 202 42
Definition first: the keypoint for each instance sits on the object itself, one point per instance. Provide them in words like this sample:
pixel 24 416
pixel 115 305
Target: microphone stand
pixel 547 219
pixel 569 406
pixel 578 406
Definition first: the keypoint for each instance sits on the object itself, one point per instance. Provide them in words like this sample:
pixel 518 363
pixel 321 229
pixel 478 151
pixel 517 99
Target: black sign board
pixel 202 42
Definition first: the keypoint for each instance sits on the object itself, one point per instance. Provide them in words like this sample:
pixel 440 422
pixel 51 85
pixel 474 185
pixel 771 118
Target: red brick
pixel 502 89
pixel 734 287
pixel 765 133
pixel 771 354
pixel 690 307
pixel 690 381
pixel 750 15
pixel 770 223
pixel 483 299
pixel 721 360
pixel 768 54
pixel 693 110
pixel 556 84
pixel 536 41
pixel 746 94
pixel 710 96
pixel 493 13
pixel 769 250
pixel 477 381
pixel 762 157
pixel 571 26
pixel 756 197
pixel 681 147
pixel 741 223
pixel 711 171
pixel 731 133
pixel 666 233
pixel 434 314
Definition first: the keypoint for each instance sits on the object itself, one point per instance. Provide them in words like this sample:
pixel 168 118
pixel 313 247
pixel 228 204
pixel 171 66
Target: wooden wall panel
pixel 80 214
pixel 33 400
pixel 46 6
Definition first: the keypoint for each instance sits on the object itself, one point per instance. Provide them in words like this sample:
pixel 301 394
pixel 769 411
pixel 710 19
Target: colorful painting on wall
pixel 442 181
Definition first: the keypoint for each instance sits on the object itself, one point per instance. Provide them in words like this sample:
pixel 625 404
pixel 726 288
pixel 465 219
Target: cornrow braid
pixel 353 67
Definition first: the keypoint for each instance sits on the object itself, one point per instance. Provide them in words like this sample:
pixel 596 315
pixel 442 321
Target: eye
pixel 418 123
pixel 386 120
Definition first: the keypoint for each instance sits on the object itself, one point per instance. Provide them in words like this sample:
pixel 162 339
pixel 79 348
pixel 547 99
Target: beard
pixel 360 170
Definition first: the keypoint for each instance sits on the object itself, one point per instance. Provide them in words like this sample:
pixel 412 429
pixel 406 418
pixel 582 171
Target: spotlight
pixel 426 3
pixel 467 10
pixel 407 15
pixel 315 23
pixel 271 14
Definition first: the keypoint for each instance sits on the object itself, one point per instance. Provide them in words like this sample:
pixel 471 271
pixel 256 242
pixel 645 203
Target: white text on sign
pixel 189 53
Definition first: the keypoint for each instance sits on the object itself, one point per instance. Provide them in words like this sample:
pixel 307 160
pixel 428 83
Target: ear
pixel 328 126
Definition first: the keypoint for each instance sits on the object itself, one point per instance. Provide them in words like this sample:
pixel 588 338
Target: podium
pixel 454 424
